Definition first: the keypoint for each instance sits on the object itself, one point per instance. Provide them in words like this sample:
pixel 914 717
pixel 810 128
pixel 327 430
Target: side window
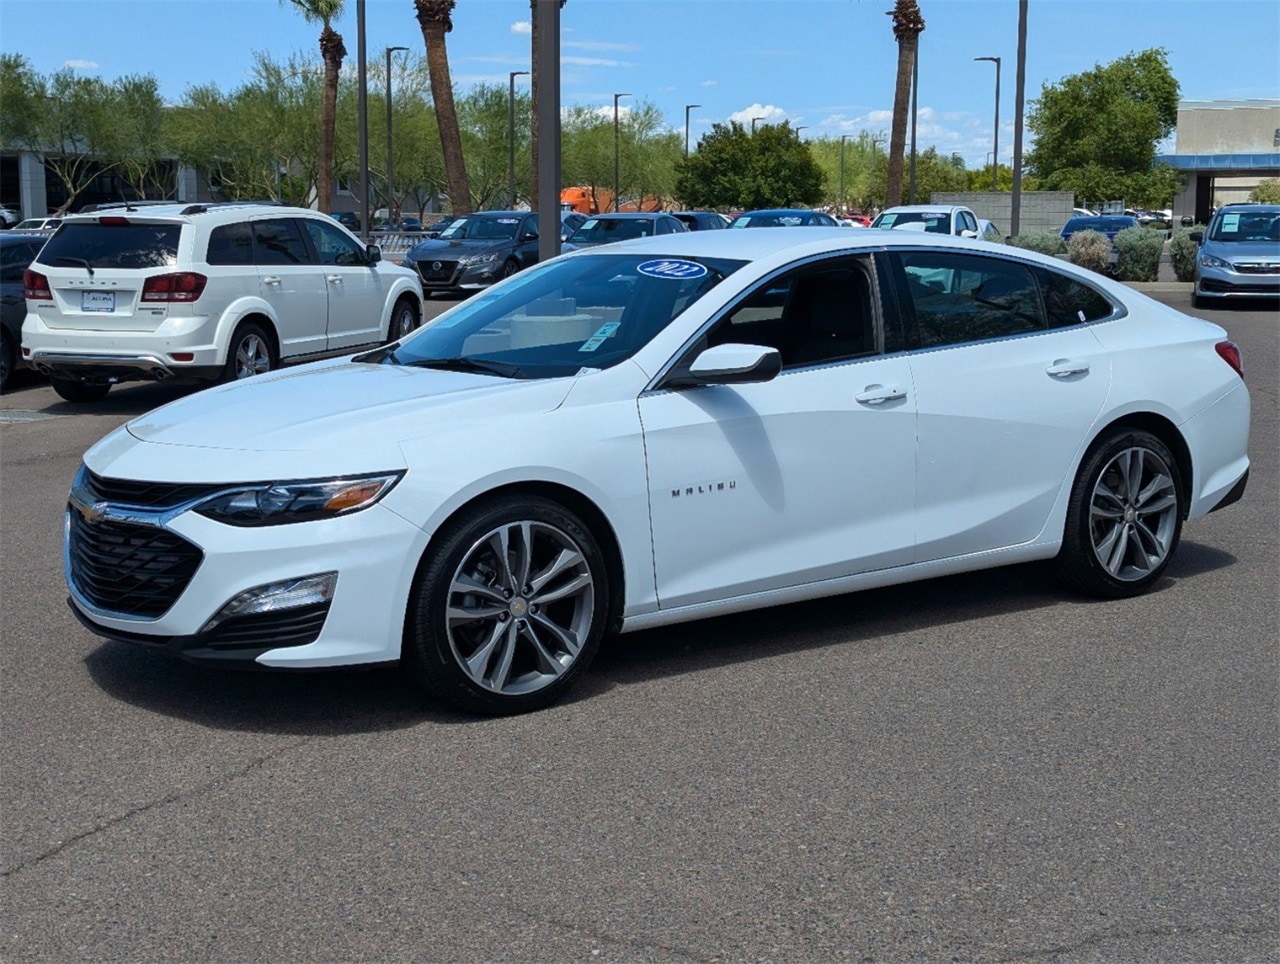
pixel 333 246
pixel 230 244
pixel 530 226
pixel 280 242
pixel 1070 302
pixel 960 298
pixel 814 314
pixel 664 226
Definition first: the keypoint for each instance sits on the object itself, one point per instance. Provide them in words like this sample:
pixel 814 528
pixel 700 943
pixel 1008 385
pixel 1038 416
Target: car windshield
pixel 935 222
pixel 481 229
pixel 113 243
pixel 1246 226
pixel 586 312
pixel 770 221
pixel 604 230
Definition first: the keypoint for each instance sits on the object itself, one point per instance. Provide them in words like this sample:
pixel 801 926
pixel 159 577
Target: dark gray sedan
pixel 476 250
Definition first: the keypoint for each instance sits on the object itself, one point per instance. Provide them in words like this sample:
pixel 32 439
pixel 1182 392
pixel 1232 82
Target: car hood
pixel 451 249
pixel 316 420
pixel 1267 251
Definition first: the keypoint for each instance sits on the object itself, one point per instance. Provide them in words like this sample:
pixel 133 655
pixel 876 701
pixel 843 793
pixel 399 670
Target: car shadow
pixel 338 702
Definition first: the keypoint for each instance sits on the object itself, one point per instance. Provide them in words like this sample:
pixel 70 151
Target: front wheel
pixel 510 268
pixel 404 319
pixel 77 391
pixel 1125 516
pixel 509 608
pixel 7 360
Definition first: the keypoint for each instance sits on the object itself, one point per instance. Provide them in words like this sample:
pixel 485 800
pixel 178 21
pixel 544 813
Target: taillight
pixel 113 221
pixel 36 286
pixel 1229 352
pixel 179 286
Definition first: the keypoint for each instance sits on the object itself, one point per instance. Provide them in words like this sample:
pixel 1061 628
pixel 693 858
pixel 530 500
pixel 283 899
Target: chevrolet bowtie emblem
pixel 93 513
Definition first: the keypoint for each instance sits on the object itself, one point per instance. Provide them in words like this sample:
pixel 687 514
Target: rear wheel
pixel 77 391
pixel 510 607
pixel 7 360
pixel 1125 516
pixel 404 319
pixel 250 353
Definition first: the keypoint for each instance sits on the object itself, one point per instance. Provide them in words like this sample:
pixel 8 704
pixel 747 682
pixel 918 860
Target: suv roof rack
pixel 112 205
pixel 207 205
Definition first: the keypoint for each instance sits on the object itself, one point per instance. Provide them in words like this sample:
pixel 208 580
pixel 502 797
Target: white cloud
pixel 768 114
pixel 606 111
pixel 594 62
pixel 522 26
pixel 597 45
pixel 708 83
pixel 80 65
pixel 880 116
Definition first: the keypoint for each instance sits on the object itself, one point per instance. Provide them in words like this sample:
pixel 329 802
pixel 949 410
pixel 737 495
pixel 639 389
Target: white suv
pixel 205 292
pixel 933 218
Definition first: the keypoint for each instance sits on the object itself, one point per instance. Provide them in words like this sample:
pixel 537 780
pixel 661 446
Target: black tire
pixel 527 644
pixel 250 352
pixel 510 268
pixel 405 318
pixel 1125 516
pixel 8 358
pixel 76 391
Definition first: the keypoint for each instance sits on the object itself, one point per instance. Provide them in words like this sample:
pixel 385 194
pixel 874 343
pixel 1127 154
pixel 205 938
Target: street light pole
pixel 797 130
pixel 390 189
pixel 687 108
pixel 995 138
pixel 362 119
pixel 753 125
pixel 843 206
pixel 511 135
pixel 616 188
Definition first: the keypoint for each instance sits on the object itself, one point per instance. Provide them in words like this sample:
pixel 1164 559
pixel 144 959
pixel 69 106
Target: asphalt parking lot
pixel 977 768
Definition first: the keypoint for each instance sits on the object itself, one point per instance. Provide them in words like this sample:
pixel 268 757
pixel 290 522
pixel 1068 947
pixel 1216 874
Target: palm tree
pixel 908 24
pixel 436 19
pixel 533 83
pixel 332 51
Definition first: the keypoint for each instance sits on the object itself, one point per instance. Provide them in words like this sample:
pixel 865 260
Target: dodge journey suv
pixel 205 292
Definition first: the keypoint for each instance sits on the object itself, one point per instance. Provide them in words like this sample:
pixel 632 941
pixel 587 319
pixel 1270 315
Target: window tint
pixel 333 246
pixel 14 259
pixel 113 245
pixel 280 242
pixel 818 313
pixel 230 244
pixel 1071 302
pixel 960 297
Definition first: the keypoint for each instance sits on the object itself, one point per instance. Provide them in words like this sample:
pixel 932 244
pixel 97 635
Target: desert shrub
pixel 1090 249
pixel 1183 251
pixel 1138 251
pixel 1044 242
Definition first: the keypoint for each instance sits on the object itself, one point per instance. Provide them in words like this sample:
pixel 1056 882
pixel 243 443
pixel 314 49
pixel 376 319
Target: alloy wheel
pixel 1133 514
pixel 253 356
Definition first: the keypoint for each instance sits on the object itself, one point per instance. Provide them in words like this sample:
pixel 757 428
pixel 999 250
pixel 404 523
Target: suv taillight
pixel 179 286
pixel 36 286
pixel 1229 352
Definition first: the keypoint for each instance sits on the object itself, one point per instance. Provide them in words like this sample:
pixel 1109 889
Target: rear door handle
pixel 334 279
pixel 879 394
pixel 1066 367
pixel 274 282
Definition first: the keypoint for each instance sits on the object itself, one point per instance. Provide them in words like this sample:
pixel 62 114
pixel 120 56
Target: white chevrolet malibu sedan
pixel 659 431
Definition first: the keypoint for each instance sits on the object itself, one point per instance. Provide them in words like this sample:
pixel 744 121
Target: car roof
pixel 923 208
pixel 787 211
pixel 188 211
pixel 14 237
pixel 628 215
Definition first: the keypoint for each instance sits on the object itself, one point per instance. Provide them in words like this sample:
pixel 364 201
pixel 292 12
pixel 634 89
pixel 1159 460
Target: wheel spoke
pixel 568 641
pixel 524 557
pixel 499 543
pixel 1131 472
pixel 1115 559
pixel 502 672
pixel 458 615
pixel 573 587
pixel 1098 512
pixel 1152 545
pixel 549 664
pixel 479 660
pixel 467 583
pixel 567 559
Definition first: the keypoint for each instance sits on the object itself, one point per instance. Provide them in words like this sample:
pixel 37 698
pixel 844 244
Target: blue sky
pixel 826 65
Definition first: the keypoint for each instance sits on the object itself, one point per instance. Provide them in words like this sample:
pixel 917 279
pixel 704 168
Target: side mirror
pixel 529 236
pixel 373 252
pixel 1197 237
pixel 968 234
pixel 732 365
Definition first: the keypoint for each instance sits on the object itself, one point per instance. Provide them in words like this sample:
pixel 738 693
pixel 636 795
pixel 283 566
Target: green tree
pixel 1096 132
pixel 1267 191
pixel 863 186
pixel 332 51
pixel 733 168
pixel 144 162
pixel 483 119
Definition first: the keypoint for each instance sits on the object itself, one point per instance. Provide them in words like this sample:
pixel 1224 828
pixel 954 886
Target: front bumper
pixel 374 552
pixel 458 277
pixel 1226 283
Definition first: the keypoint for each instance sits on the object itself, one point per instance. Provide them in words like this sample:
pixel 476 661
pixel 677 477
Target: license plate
pixel 97 301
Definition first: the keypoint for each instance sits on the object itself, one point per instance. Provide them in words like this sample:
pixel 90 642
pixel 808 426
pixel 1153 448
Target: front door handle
pixel 1066 367
pixel 334 279
pixel 273 282
pixel 879 394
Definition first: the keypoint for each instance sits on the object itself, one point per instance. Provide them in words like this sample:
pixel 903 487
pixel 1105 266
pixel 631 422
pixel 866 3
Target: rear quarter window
pixel 1070 302
pixel 127 245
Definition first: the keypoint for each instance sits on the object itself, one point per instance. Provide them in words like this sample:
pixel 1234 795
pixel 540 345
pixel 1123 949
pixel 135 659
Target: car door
pixel 293 284
pixel 526 246
pixel 807 477
pixel 356 289
pixel 1004 400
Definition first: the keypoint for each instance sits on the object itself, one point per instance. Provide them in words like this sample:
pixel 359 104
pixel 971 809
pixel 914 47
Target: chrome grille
pixel 153 495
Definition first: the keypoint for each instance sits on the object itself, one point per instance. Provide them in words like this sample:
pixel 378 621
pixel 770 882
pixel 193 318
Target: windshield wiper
pixel 80 261
pixel 504 369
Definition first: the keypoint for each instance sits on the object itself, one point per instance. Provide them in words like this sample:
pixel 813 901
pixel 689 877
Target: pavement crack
pixel 1111 936
pixel 70 842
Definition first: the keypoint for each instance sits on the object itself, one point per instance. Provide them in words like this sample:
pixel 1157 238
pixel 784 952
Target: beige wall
pixel 1228 127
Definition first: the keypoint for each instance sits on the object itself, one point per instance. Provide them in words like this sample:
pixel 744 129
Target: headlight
pixel 1209 261
pixel 479 258
pixel 279 503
